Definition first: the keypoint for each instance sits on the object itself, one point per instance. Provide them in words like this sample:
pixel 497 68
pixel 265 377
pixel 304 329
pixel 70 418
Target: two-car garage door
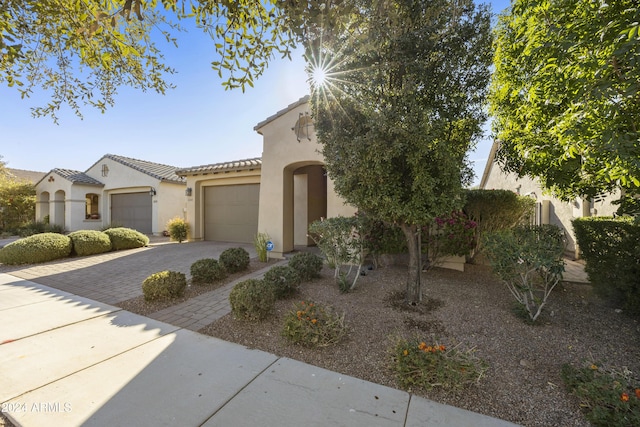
pixel 231 212
pixel 132 210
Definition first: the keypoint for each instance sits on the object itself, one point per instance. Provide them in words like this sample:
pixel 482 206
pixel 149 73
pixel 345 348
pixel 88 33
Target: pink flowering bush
pixel 454 234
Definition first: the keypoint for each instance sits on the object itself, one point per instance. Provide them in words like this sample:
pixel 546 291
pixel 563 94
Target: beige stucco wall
pixel 554 211
pixel 197 183
pixel 282 156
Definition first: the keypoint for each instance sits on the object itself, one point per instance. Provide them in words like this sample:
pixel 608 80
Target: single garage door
pixel 132 210
pixel 231 213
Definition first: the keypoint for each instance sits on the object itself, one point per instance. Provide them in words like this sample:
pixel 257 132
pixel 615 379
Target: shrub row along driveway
pixel 117 276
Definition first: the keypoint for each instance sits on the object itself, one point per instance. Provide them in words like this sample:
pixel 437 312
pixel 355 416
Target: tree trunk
pixel 414 288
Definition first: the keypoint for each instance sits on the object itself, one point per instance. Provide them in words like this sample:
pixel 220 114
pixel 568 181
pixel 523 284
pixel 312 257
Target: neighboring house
pixel 279 194
pixel 549 210
pixel 25 175
pixel 114 190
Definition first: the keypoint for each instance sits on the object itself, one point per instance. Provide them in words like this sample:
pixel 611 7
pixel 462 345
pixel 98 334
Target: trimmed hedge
pixel 283 279
pixel 611 250
pixel 235 259
pixel 496 210
pixel 126 238
pixel 90 242
pixel 37 248
pixel 207 270
pixel 252 299
pixel 307 265
pixel 164 285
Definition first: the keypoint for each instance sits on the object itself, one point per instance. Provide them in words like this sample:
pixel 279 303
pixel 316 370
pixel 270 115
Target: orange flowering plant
pixel 313 325
pixel 609 397
pixel 422 365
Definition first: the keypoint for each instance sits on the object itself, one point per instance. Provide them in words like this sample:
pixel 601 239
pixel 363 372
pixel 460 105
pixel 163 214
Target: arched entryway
pixel 305 201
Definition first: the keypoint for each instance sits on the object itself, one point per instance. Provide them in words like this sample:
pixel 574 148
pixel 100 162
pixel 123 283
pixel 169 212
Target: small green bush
pixel 260 243
pixel 252 299
pixel 307 265
pixel 178 229
pixel 90 242
pixel 313 325
pixel 529 261
pixel 283 279
pixel 611 250
pixel 343 245
pixel 234 259
pixel 111 225
pixel 126 238
pixel 427 366
pixel 37 248
pixel 207 270
pixel 608 397
pixel 164 285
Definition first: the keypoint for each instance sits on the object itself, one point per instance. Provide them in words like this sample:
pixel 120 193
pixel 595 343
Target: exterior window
pixel 92 211
pixel 105 170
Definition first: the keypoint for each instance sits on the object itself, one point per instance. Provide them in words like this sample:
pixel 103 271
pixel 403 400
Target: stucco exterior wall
pixel 171 202
pixel 282 156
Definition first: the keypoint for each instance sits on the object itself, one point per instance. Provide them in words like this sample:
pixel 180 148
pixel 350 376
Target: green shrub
pixel 37 248
pixel 381 237
pixel 307 265
pixel 611 250
pixel 234 259
pixel 496 210
pixel 608 397
pixel 260 244
pixel 207 270
pixel 312 325
pixel 427 366
pixel 341 241
pixel 449 235
pixel 252 299
pixel 90 242
pixel 126 238
pixel 283 279
pixel 164 285
pixel 529 260
pixel 178 229
pixel 111 225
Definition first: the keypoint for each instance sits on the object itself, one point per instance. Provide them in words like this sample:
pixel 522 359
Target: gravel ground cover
pixel 473 310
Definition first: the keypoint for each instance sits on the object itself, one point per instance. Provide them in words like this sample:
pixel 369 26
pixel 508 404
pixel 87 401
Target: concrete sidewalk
pixel 68 361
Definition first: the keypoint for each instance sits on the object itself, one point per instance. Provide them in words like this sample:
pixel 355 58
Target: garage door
pixel 231 213
pixel 132 210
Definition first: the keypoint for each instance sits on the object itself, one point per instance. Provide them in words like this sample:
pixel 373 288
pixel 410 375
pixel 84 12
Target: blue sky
pixel 197 123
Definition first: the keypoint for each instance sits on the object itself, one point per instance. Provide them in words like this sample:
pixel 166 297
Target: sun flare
pixel 318 76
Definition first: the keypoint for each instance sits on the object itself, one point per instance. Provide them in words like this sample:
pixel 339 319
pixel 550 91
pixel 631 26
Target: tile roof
pixel 156 170
pixel 76 177
pixel 254 163
pixel 282 112
pixel 26 175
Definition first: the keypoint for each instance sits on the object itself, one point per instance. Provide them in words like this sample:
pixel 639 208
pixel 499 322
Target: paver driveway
pixel 118 276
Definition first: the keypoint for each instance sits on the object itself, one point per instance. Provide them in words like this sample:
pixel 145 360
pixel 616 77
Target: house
pixel 549 210
pixel 279 194
pixel 114 190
